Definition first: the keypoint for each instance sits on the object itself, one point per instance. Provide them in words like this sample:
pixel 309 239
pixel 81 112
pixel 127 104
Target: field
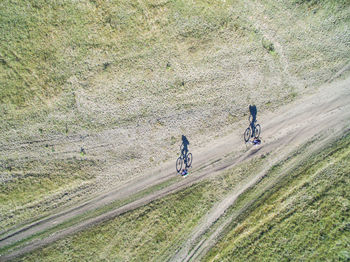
pixel 95 94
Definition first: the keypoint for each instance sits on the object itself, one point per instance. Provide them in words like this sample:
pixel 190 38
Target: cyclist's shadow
pixel 253 129
pixel 253 112
pixel 184 146
pixel 185 157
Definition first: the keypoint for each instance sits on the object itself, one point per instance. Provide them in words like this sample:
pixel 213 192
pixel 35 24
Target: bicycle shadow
pixel 185 158
pixel 254 129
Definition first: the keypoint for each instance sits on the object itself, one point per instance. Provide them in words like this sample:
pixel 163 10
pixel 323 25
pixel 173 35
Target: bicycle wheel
pixel 189 160
pixel 178 164
pixel 247 134
pixel 257 130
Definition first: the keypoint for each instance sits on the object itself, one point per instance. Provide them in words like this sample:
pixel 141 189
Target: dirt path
pixel 283 131
pixel 326 114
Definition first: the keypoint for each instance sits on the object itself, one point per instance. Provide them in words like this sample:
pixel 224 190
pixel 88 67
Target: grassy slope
pixel 28 194
pixel 45 43
pixel 304 217
pixel 300 217
pixel 41 46
pixel 145 67
pixel 308 37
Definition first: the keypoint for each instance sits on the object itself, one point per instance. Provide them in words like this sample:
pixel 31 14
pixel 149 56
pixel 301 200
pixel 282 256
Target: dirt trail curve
pixel 283 131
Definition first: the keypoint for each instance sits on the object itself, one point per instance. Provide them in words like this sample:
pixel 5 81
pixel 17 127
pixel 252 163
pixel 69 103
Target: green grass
pixel 303 217
pixel 41 46
pixel 24 184
pixel 44 43
pixel 32 183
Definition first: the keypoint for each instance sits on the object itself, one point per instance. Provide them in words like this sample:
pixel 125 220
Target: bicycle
pixel 186 159
pixel 252 131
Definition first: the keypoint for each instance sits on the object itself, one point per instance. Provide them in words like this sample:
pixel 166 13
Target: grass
pixel 46 43
pixel 37 56
pixel 302 217
pixel 37 185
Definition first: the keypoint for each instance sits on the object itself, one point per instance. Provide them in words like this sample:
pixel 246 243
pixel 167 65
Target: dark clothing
pixel 184 152
pixel 253 111
pixel 256 142
pixel 185 144
pixel 184 172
